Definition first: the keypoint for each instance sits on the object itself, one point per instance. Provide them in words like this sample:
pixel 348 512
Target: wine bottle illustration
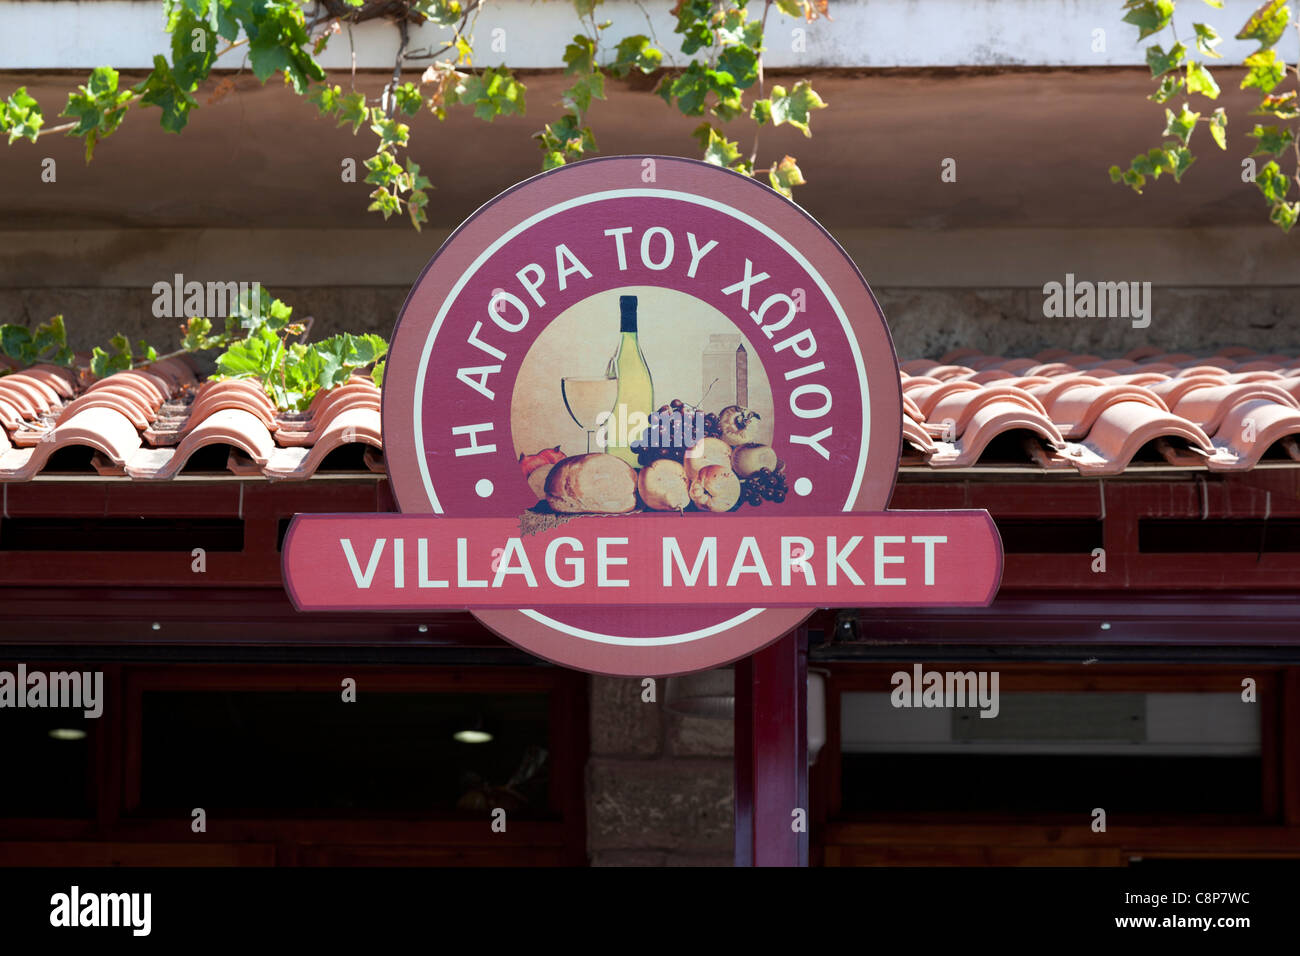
pixel 631 413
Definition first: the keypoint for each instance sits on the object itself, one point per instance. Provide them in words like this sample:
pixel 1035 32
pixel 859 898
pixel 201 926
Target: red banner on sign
pixel 892 558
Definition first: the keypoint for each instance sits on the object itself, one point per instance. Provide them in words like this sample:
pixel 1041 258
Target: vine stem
pixel 762 83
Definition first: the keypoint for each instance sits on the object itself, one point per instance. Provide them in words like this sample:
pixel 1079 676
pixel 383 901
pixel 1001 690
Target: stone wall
pixel 925 322
pixel 659 786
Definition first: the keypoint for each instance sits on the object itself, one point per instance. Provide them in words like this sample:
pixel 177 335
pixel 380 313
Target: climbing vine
pixel 1179 70
pixel 721 41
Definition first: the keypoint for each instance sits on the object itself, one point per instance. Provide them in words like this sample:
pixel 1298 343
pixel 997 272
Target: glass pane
pixel 277 752
pixel 48 752
pixel 1129 752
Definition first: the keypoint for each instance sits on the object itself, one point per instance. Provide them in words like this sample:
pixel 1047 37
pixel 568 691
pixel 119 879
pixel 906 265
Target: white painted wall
pixel 78 34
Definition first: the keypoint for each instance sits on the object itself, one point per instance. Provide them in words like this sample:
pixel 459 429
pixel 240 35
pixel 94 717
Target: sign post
pixel 641 416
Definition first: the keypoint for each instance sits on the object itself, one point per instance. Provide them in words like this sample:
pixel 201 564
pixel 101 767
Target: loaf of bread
pixel 592 484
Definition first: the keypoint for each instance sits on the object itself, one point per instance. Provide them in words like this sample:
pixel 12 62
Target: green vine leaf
pixel 1181 125
pixel 718 150
pixel 1150 16
pixel 161 89
pixel 1207 39
pixel 20 116
pixel 1161 63
pixel 352 109
pixel 1169 87
pixel 1271 140
pixel 795 107
pixel 1272 182
pixel 1267 24
pixel 784 176
pixel 98 107
pixel 495 92
pixel 1219 127
pixel 1264 71
pixel 1200 81
pixel 583 91
pixel 635 52
pixel 1283 106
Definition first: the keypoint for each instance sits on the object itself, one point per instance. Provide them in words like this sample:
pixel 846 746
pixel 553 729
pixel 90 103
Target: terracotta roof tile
pixel 1059 411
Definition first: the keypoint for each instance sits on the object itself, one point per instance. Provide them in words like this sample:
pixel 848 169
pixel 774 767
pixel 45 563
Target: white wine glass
pixel 586 398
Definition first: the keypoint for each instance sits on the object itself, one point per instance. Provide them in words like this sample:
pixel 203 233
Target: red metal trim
pixel 1035 618
pixel 771 762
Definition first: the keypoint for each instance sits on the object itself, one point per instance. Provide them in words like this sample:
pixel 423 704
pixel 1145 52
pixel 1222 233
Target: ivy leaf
pixel 1200 81
pixel 1264 71
pixel 586 7
pixel 197 335
pixel 761 112
pixel 1271 140
pixel 784 176
pixel 691 90
pixel 377 373
pixel 1150 17
pixel 1161 63
pixel 795 107
pixel 791 8
pixel 1180 126
pixel 1219 127
pixel 1272 182
pixel 98 107
pixel 1282 105
pixel 1267 24
pixel 20 115
pixel 718 150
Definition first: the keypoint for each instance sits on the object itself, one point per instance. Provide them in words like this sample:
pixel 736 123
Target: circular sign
pixel 607 314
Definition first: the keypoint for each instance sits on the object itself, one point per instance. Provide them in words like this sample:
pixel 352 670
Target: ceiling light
pixel 67 733
pixel 473 733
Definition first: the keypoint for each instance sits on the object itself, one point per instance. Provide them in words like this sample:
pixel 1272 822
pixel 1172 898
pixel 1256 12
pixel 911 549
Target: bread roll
pixel 592 484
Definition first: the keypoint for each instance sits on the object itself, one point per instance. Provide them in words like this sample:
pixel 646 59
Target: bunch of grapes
pixel 667 437
pixel 763 486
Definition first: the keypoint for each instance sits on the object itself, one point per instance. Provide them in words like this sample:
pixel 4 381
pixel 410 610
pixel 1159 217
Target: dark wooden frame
pixel 120 833
pixel 1051 839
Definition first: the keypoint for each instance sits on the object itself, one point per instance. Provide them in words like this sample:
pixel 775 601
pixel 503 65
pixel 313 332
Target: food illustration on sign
pixel 712 455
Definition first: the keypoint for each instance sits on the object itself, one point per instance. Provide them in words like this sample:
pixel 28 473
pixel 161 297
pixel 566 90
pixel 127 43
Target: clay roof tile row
pixel 1062 410
pixel 148 423
pixel 1058 411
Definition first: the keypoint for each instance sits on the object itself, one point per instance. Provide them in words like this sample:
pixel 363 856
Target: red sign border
pixel 485 225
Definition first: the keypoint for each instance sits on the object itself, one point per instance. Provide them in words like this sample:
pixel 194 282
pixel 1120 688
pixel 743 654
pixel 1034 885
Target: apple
pixel 664 486
pixel 739 425
pixel 715 488
pixel 705 452
pixel 752 458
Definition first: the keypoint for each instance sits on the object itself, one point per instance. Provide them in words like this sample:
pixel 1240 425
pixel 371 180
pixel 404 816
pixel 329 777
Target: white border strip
pixel 56 34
